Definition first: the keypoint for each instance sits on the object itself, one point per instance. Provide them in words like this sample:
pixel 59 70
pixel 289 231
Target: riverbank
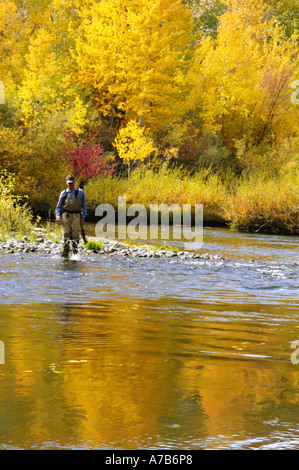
pixel 45 244
pixel 254 203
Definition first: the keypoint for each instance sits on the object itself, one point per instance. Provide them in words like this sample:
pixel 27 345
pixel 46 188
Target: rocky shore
pixel 44 244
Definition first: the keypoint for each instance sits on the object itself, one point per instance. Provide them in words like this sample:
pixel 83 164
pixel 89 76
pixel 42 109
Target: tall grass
pixel 14 217
pixel 170 186
pixel 261 203
pixel 255 202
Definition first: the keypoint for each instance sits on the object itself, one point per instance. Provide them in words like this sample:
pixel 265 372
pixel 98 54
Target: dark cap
pixel 70 179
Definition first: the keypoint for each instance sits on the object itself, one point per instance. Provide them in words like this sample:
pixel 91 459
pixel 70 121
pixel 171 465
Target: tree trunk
pixel 146 68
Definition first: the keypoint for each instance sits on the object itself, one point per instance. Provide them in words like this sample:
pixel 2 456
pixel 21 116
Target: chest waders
pixel 71 223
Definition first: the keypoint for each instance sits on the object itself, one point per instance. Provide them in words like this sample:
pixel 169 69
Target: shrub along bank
pixel 253 203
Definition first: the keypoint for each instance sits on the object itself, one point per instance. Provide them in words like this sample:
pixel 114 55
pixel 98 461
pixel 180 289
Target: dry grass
pixel 251 203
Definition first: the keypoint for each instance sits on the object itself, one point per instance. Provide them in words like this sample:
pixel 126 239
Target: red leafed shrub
pixel 86 160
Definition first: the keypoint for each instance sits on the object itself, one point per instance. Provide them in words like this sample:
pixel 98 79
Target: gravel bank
pixel 43 244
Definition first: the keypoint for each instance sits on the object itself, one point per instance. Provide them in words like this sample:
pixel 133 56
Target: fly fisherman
pixel 71 212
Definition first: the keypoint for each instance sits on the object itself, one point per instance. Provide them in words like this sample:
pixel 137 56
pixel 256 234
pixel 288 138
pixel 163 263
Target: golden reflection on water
pixel 144 374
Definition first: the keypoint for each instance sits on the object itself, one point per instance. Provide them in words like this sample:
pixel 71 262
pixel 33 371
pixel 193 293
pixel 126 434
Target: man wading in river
pixel 71 212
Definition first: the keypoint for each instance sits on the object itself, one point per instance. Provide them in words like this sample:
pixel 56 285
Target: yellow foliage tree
pixel 10 45
pixel 43 101
pixel 242 79
pixel 48 87
pixel 131 55
pixel 132 145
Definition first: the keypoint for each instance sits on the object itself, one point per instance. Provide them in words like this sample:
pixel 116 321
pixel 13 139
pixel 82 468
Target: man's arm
pixel 59 207
pixel 83 205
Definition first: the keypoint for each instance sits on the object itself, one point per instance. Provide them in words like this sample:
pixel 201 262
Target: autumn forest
pixel 158 100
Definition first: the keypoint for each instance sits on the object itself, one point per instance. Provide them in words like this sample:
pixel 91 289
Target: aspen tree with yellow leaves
pixel 8 22
pixel 43 98
pixel 48 86
pixel 242 80
pixel 132 145
pixel 132 55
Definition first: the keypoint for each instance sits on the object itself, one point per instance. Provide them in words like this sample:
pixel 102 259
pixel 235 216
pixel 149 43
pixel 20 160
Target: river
pixel 115 352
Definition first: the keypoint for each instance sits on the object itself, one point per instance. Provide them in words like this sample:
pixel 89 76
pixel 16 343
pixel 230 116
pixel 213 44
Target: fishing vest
pixel 71 205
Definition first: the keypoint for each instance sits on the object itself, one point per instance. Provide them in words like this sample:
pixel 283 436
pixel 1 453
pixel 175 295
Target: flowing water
pixel 113 352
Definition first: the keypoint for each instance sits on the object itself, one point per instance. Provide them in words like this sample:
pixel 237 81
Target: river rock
pixel 39 230
pixel 110 247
